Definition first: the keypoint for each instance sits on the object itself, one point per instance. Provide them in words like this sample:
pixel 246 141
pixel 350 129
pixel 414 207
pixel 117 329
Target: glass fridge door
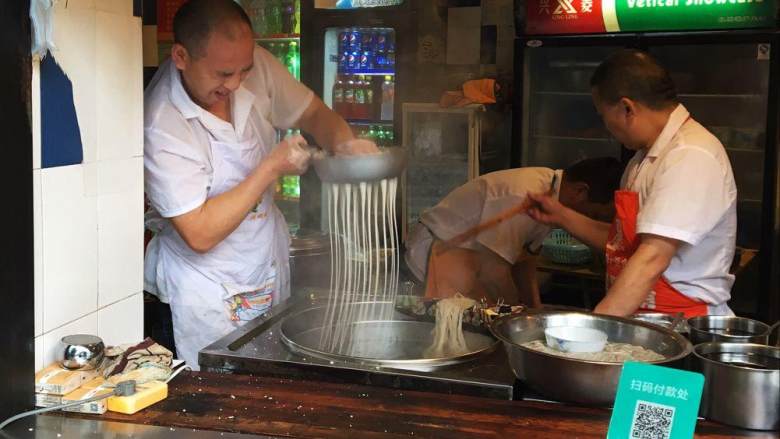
pixel 725 87
pixel 442 145
pixel 359 79
pixel 561 125
pixel 276 25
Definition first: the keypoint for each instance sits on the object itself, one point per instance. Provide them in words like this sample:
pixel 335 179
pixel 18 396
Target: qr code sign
pixel 652 421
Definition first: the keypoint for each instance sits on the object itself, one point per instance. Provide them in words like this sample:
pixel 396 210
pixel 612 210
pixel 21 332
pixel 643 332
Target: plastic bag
pixel 42 19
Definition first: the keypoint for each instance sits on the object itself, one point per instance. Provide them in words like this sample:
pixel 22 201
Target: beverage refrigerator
pixel 357 57
pixel 725 66
pixel 276 27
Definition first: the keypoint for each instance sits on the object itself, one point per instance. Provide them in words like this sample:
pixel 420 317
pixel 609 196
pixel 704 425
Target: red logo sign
pixel 564 17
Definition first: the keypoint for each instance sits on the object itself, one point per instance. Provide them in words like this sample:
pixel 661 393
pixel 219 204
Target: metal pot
pixel 81 352
pixel 727 329
pixel 309 260
pixel 661 319
pixel 741 384
pixel 574 380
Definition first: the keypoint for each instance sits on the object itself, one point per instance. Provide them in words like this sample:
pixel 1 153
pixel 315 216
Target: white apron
pixel 239 279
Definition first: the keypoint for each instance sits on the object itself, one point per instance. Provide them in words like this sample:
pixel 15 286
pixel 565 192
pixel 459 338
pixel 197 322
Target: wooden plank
pixel 308 409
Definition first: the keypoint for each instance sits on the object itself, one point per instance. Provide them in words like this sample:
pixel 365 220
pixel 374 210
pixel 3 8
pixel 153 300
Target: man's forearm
pixel 637 279
pixel 593 233
pixel 326 126
pixel 212 222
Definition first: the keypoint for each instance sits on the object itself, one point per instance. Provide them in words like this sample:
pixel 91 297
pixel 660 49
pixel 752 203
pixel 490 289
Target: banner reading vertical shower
pixel 599 16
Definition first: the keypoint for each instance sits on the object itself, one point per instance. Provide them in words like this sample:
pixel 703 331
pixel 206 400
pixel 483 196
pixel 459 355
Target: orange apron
pixel 621 245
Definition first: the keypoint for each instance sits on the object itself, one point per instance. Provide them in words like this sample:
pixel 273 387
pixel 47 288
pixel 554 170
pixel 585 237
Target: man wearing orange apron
pixel 671 243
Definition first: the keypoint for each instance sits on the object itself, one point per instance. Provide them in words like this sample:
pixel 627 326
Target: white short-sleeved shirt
pixel 687 192
pixel 487 196
pixel 178 132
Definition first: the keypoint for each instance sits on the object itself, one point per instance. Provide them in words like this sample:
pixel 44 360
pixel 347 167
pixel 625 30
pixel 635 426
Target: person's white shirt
pixel 478 201
pixel 178 132
pixel 687 192
pixel 178 136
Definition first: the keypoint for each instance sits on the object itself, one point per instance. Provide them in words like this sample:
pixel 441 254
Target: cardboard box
pixel 94 407
pixel 56 380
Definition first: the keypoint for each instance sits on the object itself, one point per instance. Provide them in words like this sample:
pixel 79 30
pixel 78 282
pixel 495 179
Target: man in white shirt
pixel 220 257
pixel 501 262
pixel 673 239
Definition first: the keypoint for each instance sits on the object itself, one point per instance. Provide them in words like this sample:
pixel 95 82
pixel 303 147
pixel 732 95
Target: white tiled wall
pixel 89 217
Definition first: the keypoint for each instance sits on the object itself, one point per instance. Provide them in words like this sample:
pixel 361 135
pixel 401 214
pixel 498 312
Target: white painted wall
pixel 89 217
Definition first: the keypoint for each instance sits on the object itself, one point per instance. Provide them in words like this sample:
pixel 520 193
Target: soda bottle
pixel 380 42
pixel 360 100
pixel 353 61
pixel 367 41
pixel 369 98
pixel 297 17
pixel 389 135
pixel 273 14
pixel 371 133
pixel 355 40
pixel 270 47
pixel 380 137
pixel 366 61
pixel 256 12
pixel 288 17
pixel 292 60
pixel 338 96
pixel 388 96
pixel 349 99
pixel 344 42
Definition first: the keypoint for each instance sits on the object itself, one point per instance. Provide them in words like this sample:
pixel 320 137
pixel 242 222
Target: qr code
pixel 652 421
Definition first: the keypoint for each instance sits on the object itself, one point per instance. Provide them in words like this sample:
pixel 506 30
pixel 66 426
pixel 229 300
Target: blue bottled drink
pixel 355 41
pixel 343 42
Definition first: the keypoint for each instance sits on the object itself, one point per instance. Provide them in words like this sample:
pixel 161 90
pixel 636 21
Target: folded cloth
pixel 147 357
pixel 477 91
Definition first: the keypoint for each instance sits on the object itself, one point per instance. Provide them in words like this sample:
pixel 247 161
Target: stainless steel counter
pixel 55 426
pixel 256 348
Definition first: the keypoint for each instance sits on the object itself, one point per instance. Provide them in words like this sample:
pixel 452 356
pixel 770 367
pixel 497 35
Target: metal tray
pixel 398 344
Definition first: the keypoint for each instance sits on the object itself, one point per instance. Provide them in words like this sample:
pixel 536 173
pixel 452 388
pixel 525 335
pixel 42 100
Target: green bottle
pixel 292 60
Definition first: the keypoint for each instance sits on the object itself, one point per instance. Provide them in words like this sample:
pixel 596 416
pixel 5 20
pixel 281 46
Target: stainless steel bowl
pixel 741 384
pixel 573 380
pixel 727 329
pixel 81 352
pixel 398 343
pixel 661 319
pixel 388 163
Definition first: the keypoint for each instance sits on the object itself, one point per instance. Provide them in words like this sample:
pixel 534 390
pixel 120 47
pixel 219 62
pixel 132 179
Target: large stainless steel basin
pixel 573 380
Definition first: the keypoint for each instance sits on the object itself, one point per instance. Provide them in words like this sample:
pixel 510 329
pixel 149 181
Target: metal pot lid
pixel 304 240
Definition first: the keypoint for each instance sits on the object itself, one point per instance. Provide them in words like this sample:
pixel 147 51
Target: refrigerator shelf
pixel 720 96
pixel 367 72
pixel 562 93
pixel 571 138
pixel 362 122
pixel 681 95
pixel 279 39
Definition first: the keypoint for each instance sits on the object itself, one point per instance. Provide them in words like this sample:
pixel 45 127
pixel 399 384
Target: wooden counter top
pixel 307 409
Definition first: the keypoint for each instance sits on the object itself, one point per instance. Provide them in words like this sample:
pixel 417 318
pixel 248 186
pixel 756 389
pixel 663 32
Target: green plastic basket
pixel 562 248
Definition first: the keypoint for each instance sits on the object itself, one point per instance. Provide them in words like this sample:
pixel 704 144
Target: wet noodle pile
pixel 448 340
pixel 612 353
pixel 364 261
